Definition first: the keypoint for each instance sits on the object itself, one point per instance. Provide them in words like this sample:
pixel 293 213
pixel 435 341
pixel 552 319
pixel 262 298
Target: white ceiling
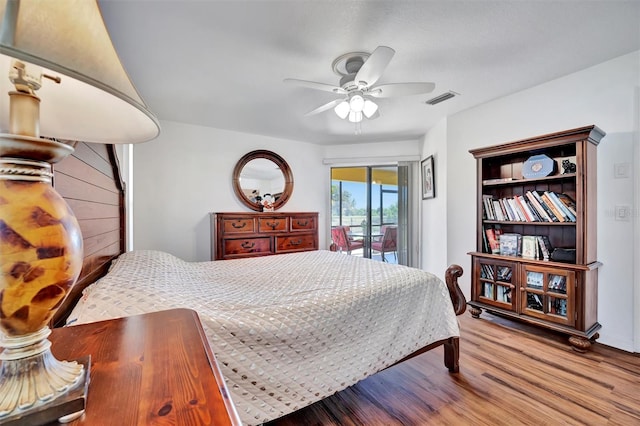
pixel 221 63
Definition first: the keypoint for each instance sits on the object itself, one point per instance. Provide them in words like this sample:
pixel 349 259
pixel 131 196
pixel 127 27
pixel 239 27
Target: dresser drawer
pixel 242 225
pixel 236 235
pixel 273 224
pixel 290 243
pixel 303 223
pixel 246 246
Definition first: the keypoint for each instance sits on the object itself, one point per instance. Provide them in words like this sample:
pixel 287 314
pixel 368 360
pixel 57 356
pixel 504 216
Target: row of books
pixel 556 306
pixel 513 244
pixel 534 206
pixel 503 293
pixel 504 273
pixel 556 283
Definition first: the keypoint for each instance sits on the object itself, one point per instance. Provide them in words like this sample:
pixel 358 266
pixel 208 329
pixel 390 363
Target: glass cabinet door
pixel 548 293
pixel 494 285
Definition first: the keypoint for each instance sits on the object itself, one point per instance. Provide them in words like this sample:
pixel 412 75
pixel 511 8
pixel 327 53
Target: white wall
pixel 603 95
pixel 187 172
pixel 433 235
pixel 360 153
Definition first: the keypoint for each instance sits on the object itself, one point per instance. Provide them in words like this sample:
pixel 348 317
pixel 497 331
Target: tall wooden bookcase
pixel 559 295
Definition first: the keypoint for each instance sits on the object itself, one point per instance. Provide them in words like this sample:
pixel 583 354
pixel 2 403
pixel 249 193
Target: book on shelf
pixel 510 213
pixel 504 273
pixel 522 209
pixel 529 247
pixel 531 209
pixel 504 294
pixel 518 213
pixel 485 243
pixel 510 244
pixel 487 204
pixel 544 250
pixel 569 202
pixel 487 272
pixel 533 206
pixel 535 279
pixel 556 212
pixel 493 238
pixel 497 208
pixel 558 283
pixel 542 213
pixel 497 180
pixel 556 199
pixel 546 208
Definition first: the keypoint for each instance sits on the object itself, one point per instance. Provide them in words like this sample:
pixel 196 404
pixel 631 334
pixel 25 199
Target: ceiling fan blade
pixel 315 85
pixel 324 107
pixel 401 89
pixel 375 115
pixel 374 66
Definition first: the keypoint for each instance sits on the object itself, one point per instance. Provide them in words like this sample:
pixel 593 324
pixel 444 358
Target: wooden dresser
pixel 238 235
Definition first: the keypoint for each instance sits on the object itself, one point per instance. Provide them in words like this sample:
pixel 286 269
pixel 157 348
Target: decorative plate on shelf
pixel 537 166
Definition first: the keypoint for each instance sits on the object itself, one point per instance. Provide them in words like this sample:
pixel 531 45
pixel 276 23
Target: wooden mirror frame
pixel 284 168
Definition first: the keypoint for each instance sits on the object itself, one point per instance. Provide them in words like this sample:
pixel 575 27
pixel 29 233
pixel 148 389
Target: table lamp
pixel 60 77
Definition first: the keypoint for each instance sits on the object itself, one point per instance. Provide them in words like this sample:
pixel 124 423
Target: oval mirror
pixel 262 174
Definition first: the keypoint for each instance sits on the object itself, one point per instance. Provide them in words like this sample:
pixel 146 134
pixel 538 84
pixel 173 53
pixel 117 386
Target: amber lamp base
pixel 40 260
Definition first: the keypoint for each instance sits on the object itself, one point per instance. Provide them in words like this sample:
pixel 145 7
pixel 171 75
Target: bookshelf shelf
pixel 507 222
pixel 560 177
pixel 551 221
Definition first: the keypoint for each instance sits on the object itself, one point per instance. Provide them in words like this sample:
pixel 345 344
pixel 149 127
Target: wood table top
pixel 148 369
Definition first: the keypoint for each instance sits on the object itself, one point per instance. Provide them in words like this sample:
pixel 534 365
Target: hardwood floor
pixel 510 374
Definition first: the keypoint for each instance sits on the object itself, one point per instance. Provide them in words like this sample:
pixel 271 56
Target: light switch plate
pixel 621 170
pixel 623 213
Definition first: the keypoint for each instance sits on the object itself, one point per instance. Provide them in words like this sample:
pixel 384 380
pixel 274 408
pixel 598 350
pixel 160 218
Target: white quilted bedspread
pixel 287 330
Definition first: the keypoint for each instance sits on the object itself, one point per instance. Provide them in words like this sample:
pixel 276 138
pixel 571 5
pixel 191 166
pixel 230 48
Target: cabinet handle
pixel 302 223
pixel 295 243
pixel 272 225
pixel 247 245
pixel 239 225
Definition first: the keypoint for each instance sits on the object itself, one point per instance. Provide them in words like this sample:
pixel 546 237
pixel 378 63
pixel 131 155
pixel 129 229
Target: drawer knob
pixel 303 222
pixel 239 225
pixel 248 245
pixel 295 243
pixel 273 225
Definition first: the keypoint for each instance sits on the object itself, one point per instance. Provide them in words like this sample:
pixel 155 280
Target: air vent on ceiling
pixel 441 98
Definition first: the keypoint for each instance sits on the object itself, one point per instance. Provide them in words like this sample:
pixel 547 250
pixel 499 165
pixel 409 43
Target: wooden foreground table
pixel 148 369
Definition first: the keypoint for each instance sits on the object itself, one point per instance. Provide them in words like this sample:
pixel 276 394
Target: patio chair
pixel 343 242
pixel 388 242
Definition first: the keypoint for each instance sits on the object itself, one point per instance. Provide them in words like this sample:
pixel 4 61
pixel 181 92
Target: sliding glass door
pixel 365 202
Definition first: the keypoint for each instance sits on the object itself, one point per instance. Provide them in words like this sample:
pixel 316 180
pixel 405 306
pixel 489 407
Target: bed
pixel 287 330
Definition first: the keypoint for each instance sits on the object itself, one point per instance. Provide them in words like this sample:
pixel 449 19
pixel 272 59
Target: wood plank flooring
pixel 510 374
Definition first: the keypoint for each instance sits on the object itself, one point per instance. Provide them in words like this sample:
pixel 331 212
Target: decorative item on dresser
pixel 237 235
pixel 522 195
pixel 40 238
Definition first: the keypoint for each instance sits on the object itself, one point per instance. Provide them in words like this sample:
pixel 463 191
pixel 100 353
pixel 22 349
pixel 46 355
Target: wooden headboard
pixel 90 182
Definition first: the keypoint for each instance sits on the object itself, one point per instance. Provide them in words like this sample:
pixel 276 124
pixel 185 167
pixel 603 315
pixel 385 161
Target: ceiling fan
pixel 359 72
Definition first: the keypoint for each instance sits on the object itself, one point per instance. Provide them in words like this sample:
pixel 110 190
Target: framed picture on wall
pixel 428 182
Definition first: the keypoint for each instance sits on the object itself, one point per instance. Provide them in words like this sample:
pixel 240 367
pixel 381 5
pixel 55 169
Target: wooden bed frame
pixel 91 183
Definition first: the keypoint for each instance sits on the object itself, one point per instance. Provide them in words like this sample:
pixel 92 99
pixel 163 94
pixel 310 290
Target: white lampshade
pixel 369 108
pixel 342 109
pixel 355 116
pixel 356 103
pixel 95 101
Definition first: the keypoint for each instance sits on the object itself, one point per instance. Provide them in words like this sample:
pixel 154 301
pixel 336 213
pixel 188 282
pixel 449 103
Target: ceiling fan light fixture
pixel 342 109
pixel 355 116
pixel 356 103
pixel 369 108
